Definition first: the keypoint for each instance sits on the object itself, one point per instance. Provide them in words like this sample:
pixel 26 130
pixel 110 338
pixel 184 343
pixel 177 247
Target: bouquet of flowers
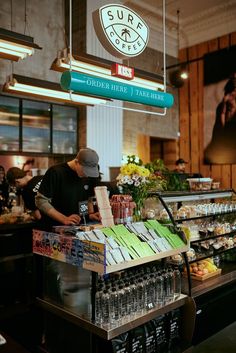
pixel 134 180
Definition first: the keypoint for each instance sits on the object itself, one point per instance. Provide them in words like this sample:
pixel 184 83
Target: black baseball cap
pixel 180 161
pixel 88 159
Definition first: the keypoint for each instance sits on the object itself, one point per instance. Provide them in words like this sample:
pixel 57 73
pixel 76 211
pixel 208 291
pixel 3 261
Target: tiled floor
pixel 222 342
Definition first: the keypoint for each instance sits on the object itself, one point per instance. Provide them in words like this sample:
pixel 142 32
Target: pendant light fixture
pixel 36 88
pixel 46 90
pixel 15 46
pixel 91 65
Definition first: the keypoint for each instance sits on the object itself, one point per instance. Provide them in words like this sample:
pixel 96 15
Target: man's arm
pixel 44 205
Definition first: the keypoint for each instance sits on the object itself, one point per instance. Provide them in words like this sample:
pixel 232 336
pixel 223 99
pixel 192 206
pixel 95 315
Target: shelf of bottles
pixel 123 300
pixel 115 297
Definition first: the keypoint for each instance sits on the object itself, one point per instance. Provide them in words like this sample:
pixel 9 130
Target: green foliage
pixel 174 183
pixel 133 159
pixel 170 181
pixel 156 166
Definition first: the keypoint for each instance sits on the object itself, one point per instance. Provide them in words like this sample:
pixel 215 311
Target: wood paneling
pixel 192 113
pixel 143 147
pixel 202 49
pixel 170 153
pixel 184 117
pixel 193 122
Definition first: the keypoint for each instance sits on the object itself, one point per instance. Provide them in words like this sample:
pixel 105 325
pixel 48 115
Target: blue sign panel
pixel 96 86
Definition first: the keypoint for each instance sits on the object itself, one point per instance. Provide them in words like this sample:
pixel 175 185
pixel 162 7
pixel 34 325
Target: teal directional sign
pixel 96 86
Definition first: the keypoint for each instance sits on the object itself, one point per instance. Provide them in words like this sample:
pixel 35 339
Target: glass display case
pixel 37 127
pixel 209 221
pixel 209 217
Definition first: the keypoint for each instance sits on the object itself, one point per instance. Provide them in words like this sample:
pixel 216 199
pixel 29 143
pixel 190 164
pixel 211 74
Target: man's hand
pixel 72 220
pixel 95 216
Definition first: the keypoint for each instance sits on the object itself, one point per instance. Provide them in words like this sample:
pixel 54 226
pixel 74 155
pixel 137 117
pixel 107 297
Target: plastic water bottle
pixel 140 295
pixel 122 300
pixel 134 295
pixel 115 306
pixel 171 284
pixel 159 290
pixel 177 282
pixel 166 288
pixel 149 291
pixel 98 306
pixel 128 298
pixel 105 307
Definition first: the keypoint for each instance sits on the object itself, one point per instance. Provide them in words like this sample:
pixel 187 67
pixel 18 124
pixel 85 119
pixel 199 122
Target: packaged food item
pixel 176 259
pixel 191 254
pixel 122 207
pixel 198 184
pixel 164 214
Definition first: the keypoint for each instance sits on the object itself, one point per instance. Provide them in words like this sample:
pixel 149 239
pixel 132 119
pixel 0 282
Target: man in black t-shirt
pixel 64 186
pixel 28 187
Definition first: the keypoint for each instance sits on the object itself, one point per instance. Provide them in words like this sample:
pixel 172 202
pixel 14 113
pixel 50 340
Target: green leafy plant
pixel 170 181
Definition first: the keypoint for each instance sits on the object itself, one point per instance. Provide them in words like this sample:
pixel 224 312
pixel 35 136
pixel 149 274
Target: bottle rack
pixel 86 319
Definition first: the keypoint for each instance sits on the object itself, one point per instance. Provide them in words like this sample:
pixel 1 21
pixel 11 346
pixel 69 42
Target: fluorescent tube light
pixel 15 46
pixel 51 91
pixel 83 66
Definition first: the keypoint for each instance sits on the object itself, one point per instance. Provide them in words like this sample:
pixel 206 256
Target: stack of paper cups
pixel 104 206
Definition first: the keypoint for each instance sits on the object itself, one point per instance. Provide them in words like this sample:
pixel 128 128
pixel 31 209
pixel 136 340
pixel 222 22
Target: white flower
pixel 137 183
pixel 130 182
pixel 135 177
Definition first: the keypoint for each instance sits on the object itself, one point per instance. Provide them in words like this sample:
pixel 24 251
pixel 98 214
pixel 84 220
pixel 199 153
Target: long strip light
pixel 64 63
pixel 15 46
pixel 38 88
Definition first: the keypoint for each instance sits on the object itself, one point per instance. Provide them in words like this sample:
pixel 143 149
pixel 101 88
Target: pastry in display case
pixel 208 219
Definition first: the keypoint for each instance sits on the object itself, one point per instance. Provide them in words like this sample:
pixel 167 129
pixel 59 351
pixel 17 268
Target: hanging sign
pixel 96 86
pixel 122 71
pixel 121 31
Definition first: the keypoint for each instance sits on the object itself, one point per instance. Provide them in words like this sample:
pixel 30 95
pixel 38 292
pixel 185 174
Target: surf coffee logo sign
pixel 120 30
